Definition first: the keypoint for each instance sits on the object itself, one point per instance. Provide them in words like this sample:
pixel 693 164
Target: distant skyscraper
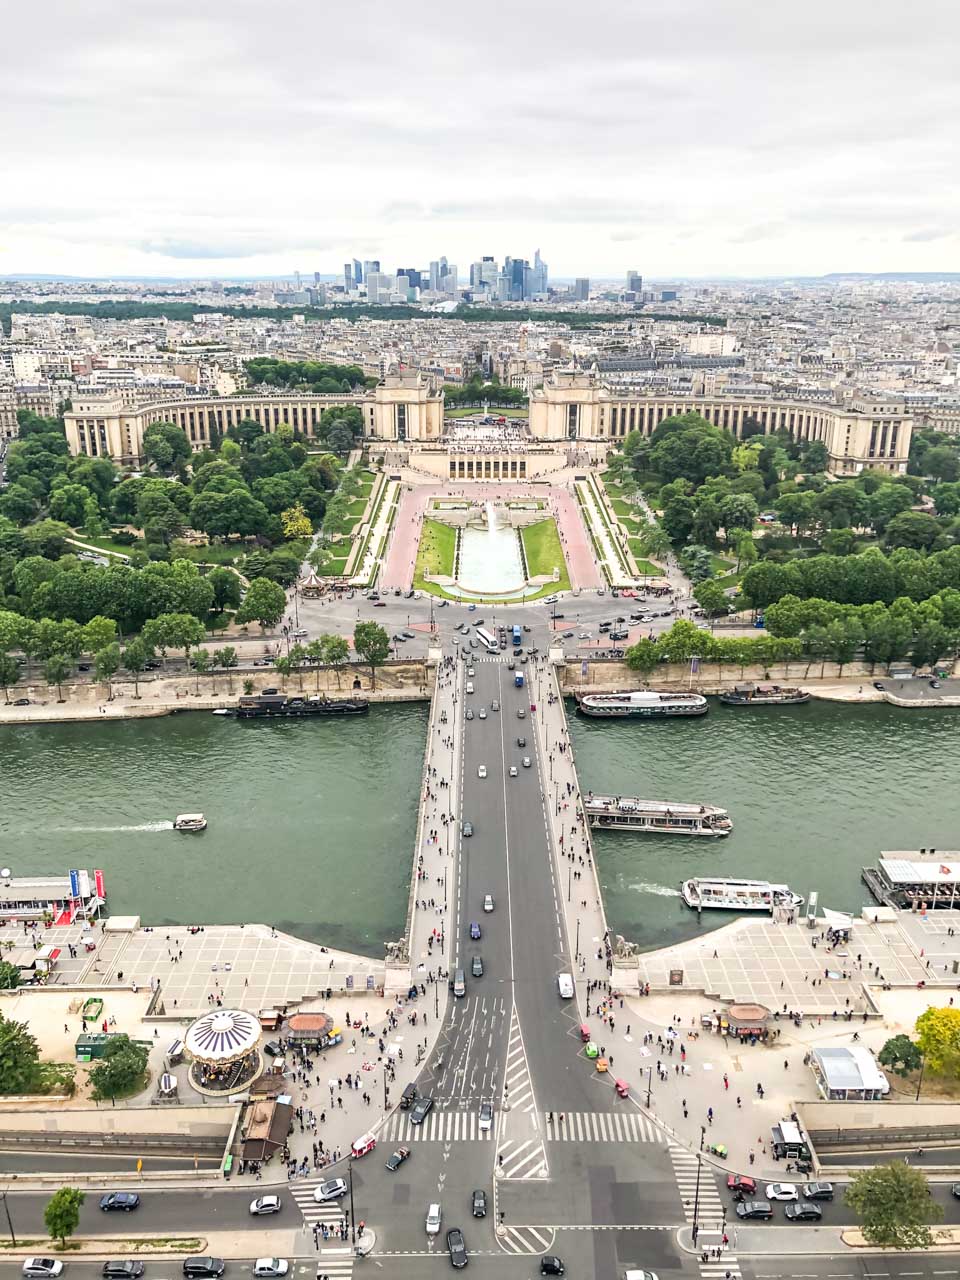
pixel 316 277
pixel 357 271
pixel 296 280
pixel 369 266
pixel 435 276
pixel 379 287
pixel 634 282
pixel 581 289
pixel 347 276
pixel 412 274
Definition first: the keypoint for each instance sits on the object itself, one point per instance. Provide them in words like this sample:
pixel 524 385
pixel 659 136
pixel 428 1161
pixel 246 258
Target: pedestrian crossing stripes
pixel 725 1268
pixel 705 1198
pixel 601 1126
pixel 522 1160
pixel 333 1268
pixel 328 1213
pixel 526 1239
pixel 439 1126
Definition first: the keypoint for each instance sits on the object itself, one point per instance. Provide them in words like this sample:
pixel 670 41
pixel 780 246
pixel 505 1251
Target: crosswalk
pixel 329 1213
pixel 439 1126
pixel 709 1206
pixel 720 1268
pixel 602 1126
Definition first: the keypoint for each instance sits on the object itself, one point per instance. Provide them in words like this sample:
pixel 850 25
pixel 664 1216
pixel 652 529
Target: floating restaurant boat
pixel 916 880
pixel 257 705
pixel 721 893
pixel 626 813
pixel 190 822
pixel 648 703
pixel 763 695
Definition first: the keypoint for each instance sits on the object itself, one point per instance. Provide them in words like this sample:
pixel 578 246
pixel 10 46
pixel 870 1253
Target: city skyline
pixel 688 141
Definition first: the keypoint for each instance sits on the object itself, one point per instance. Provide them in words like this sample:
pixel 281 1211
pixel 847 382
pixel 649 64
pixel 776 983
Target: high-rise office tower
pixel 435 276
pixel 316 277
pixel 412 274
pixel 347 276
pixel 370 265
pixel 357 272
pixel 634 282
pixel 448 280
pixel 296 280
pixel 379 286
pixel 581 288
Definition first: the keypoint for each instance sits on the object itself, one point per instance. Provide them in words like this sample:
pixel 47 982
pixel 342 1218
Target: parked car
pixel 122 1269
pixel 265 1204
pixel 457 1248
pixel 120 1201
pixel 42 1266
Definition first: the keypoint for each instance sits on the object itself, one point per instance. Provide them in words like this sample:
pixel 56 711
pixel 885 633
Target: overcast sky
pixel 689 137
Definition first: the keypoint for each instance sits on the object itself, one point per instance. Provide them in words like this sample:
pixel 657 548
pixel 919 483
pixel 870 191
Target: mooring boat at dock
pixel 763 695
pixel 646 703
pixel 660 817
pixel 723 893
pixel 257 705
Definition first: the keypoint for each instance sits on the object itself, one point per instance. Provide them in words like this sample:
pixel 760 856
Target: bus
pixel 517 636
pixel 488 641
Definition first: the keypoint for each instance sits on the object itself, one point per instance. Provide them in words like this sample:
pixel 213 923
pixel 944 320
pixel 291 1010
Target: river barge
pixel 916 880
pixel 255 706
pixel 658 817
pixel 645 703
pixel 764 695
pixel 722 893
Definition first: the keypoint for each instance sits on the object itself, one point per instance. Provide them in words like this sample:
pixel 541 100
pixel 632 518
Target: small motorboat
pixel 190 822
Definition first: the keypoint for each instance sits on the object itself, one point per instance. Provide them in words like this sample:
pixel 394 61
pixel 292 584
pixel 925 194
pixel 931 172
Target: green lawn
pixel 643 565
pixel 334 568
pixel 494 413
pixel 541 545
pixel 107 544
pixel 216 553
pixel 438 544
pixel 721 565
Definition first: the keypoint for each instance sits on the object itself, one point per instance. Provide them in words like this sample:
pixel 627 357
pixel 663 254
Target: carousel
pixel 223 1048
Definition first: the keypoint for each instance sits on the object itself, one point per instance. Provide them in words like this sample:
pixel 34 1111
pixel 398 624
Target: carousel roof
pixel 223 1035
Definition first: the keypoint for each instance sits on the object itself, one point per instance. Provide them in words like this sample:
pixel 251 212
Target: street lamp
pixel 13 1238
pixel 649 1084
pixel 923 1063
pixel 696 1194
pixel 576 954
pixel 353 1217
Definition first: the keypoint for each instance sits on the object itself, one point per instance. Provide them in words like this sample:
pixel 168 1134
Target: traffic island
pixel 107 1246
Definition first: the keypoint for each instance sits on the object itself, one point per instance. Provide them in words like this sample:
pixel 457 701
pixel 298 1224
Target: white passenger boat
pixel 648 703
pixel 659 817
pixel 190 822
pixel 721 893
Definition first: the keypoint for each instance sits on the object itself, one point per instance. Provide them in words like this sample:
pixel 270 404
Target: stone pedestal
pixel 625 975
pixel 397 977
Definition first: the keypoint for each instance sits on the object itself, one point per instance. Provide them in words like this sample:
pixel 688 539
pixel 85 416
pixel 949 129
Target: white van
pixel 565 985
pixel 469 687
pixel 434 1218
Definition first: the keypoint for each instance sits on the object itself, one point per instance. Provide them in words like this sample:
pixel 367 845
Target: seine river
pixel 814 791
pixel 312 824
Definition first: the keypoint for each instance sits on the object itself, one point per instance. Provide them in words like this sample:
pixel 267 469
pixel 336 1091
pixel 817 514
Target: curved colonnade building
pixel 574 419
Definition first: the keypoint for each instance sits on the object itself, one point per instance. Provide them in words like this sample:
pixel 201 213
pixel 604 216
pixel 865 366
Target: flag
pixel 694 665
pixel 98 884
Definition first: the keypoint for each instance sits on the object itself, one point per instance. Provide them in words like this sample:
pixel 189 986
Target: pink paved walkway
pixel 402 553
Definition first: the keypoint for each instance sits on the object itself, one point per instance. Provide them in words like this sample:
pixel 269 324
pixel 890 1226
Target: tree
pixel 938 1039
pixel 98 633
pixel 913 529
pixel 644 656
pixel 62 1214
pixel 296 658
pixel 166 446
pixel 942 462
pixel 19 1058
pixel 9 975
pixel 121 1069
pixel 227 590
pixel 55 671
pixel 135 658
pixel 264 602
pixel 295 522
pixel 202 662
pixel 901 1055
pixel 68 501
pixel 711 598
pixel 372 644
pixel 9 674
pixel 895 1206
pixel 336 652
pixel 655 541
pixel 106 666
pixel 226 657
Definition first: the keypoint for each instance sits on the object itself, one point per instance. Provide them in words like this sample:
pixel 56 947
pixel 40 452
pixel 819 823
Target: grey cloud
pixel 927 234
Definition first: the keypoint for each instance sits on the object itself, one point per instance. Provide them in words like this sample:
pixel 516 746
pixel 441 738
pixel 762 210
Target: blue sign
pixel 74 884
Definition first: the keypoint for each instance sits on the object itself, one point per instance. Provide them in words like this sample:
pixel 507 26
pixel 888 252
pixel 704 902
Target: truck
pixel 518 680
pixel 517 635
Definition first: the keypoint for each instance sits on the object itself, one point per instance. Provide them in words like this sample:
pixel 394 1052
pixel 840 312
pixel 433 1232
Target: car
pixel 476 967
pixel 120 1201
pixel 479 1203
pixel 514 771
pixel 272 1048
pixel 483 713
pixel 521 713
pixel 486 1116
pixel 471 672
pixel 332 1189
pixel 153 664
pixel 474 930
pixel 521 741
pixel 394 1162
pixel 469 687
pixel 442 604
pixel 397 638
pixel 42 1266
pixel 469 715
pixel 467 828
pixel 23 702
pixel 518 653
pixel 818 1190
pixel 583 635
pixel 511 666
pixel 955 1190
pixel 456 1247
pixel 556 599
pixel 551 1265
pixel 494 705
pixel 471 608
pixel 197 1267
pixel 804 1211
pixel 300 631
pixel 568 635
pixel 481 769
pixel 433 1220
pixel 421 1109
pixel 739 1182
pixel 934 684
pixel 408 595
pixel 379 604
pixel 782 1191
pixel 526 762
pixel 267 1268
pixel 122 1269
pixel 754 1209
pixel 265 1204
pixel 878 684
pixel 488 902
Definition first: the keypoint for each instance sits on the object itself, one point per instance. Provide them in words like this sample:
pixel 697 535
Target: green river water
pixel 312 823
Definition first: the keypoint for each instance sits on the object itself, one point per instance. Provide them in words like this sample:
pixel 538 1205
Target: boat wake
pixel 139 826
pixel 658 890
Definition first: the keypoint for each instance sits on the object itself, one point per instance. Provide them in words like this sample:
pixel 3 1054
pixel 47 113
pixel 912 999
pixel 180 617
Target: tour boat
pixel 642 702
pixel 763 695
pixel 190 822
pixel 721 893
pixel 660 817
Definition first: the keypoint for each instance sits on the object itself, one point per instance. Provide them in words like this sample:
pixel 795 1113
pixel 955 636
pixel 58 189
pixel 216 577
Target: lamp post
pixel 353 1217
pixel 923 1063
pixel 576 954
pixel 569 880
pixel 649 1084
pixel 696 1195
pixel 13 1238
